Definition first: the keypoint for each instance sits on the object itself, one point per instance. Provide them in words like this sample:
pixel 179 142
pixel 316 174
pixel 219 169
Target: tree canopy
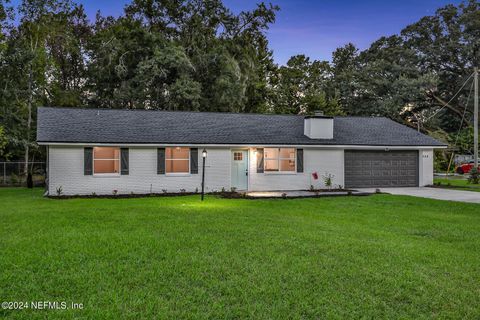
pixel 199 55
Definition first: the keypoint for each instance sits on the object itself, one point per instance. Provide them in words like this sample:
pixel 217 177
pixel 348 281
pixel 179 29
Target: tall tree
pixel 305 86
pixel 39 62
pixel 6 16
pixel 447 44
pixel 188 55
pixel 345 67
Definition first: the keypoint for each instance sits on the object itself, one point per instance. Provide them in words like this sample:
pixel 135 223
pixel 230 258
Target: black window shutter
pixel 124 161
pixel 87 161
pixel 259 160
pixel 194 160
pixel 299 160
pixel 161 161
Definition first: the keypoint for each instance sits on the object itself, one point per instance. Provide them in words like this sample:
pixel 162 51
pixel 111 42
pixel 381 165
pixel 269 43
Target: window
pixel 177 160
pixel 279 160
pixel 237 156
pixel 106 160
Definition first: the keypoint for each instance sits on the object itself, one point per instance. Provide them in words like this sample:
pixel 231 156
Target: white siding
pixel 322 161
pixel 66 170
pixel 425 167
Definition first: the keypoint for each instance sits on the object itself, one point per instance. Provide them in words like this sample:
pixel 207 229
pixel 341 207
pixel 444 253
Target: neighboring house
pixel 140 151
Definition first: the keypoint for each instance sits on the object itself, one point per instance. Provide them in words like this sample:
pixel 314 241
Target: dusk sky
pixel 317 28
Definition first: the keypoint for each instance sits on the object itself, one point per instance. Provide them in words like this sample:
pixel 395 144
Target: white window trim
pixel 109 174
pixel 178 174
pixel 278 162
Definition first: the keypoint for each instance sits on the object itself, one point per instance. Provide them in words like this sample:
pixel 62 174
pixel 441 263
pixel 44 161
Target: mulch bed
pixel 122 196
pixel 225 194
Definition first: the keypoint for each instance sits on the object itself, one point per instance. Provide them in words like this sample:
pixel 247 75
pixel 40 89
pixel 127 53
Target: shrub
pixel 14 178
pixel 233 189
pixel 441 161
pixel 328 180
pixel 474 177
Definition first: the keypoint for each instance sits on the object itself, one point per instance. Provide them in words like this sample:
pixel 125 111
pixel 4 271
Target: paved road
pixel 432 193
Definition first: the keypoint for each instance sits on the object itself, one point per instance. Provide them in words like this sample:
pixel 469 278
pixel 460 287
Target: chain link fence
pixel 12 173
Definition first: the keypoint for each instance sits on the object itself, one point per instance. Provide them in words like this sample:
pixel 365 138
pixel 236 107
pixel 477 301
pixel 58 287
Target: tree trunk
pixel 29 120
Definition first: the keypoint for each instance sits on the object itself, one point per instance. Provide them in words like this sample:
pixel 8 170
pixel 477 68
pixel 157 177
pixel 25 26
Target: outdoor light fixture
pixel 204 156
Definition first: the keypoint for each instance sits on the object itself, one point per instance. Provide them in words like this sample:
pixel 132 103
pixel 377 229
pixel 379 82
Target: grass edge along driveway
pixel 456 184
pixel 380 256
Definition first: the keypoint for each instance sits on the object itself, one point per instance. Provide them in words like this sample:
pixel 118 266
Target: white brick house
pixel 132 151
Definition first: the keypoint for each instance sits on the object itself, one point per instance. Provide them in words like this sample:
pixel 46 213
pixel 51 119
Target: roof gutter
pixel 215 145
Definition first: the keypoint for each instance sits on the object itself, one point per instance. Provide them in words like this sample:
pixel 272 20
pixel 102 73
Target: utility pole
pixel 475 119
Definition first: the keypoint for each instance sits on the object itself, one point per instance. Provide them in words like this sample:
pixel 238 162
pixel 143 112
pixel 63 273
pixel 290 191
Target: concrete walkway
pixel 302 194
pixel 432 193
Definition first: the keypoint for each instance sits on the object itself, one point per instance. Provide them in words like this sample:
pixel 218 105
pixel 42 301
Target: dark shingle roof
pixel 72 125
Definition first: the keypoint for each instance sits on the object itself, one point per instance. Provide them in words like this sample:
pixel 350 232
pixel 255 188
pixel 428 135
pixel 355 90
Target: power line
pixel 464 112
pixel 463 85
pixel 460 128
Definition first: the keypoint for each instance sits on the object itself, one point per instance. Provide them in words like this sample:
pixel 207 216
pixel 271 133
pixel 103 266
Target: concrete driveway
pixel 432 193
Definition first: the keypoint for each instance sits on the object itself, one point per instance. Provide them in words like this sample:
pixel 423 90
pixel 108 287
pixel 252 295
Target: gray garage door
pixel 381 169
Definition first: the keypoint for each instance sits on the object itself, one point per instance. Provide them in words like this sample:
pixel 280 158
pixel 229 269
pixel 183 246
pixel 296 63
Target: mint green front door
pixel 239 160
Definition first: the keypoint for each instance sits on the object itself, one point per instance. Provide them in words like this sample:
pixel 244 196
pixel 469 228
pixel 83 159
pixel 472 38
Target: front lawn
pixel 456 183
pixel 380 256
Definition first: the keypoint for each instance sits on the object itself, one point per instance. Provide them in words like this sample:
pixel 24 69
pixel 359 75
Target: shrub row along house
pixel 141 151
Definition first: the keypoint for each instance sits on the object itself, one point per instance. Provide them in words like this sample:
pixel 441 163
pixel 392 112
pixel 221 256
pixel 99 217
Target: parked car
pixel 465 167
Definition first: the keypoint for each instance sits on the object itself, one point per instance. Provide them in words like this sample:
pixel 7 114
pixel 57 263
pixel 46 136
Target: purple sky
pixel 317 28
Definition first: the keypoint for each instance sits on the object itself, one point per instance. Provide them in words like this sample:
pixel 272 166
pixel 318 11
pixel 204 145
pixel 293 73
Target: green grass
pixel 381 256
pixel 458 184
